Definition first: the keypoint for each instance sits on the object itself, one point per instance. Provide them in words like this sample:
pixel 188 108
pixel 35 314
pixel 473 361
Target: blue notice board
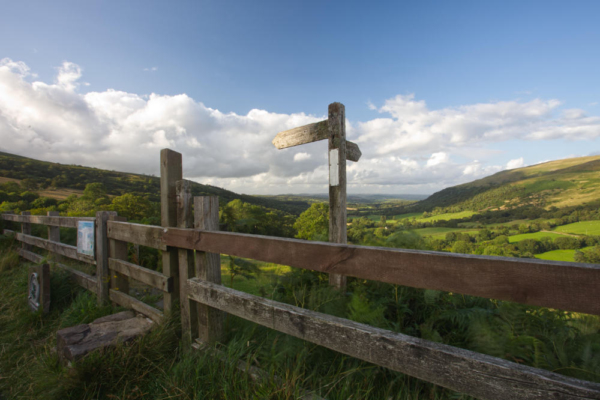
pixel 85 238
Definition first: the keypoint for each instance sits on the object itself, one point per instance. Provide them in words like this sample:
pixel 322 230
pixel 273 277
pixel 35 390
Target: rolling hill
pixel 59 181
pixel 560 183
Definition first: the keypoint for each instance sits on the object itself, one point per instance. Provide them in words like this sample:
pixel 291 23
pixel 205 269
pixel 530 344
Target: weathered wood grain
pixel 117 249
pixel 301 135
pixel 81 278
pixel 171 171
pixel 337 187
pixel 54 233
pixel 208 268
pixel 144 275
pixel 187 269
pixel 353 152
pixel 26 230
pixel 64 222
pixel 563 285
pixel 102 253
pixel 128 301
pixel 465 371
pixel 58 248
pixel 144 235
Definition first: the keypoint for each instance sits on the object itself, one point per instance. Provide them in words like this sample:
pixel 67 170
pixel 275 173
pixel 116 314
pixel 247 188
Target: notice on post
pixel 85 238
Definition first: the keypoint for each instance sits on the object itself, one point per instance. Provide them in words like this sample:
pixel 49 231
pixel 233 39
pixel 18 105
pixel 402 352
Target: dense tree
pixel 313 224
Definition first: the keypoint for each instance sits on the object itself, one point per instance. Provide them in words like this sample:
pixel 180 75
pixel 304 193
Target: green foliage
pixel 241 267
pixel 313 224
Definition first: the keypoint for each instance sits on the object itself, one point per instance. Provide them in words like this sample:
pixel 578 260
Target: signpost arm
pixel 337 183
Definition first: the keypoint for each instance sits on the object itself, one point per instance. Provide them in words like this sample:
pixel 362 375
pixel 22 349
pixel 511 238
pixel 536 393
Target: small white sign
pixel 85 238
pixel 334 173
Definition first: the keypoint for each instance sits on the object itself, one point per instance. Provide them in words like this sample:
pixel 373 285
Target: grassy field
pixel 560 255
pixel 269 273
pixel 448 216
pixel 536 236
pixel 581 228
pixel 439 233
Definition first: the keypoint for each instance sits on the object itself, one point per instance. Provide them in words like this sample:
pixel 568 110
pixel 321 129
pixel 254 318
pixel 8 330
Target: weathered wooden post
pixel 118 251
pixel 170 172
pixel 54 234
pixel 187 269
pixel 26 230
pixel 334 130
pixel 208 267
pixel 102 271
pixel 337 182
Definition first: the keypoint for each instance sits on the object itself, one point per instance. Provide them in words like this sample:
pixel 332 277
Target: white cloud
pixel 516 163
pixel 410 148
pixel 151 69
pixel 301 156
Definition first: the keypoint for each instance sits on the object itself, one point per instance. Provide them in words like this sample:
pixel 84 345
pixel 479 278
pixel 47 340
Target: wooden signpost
pixel 334 130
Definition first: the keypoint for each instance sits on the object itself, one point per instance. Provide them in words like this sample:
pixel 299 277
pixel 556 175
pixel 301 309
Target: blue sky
pixel 290 59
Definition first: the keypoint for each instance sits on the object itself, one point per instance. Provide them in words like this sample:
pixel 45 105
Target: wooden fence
pixel 192 245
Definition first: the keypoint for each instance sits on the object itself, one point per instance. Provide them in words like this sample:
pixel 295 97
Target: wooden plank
pixel 64 222
pixel 54 233
pixel 465 371
pixel 353 152
pixel 81 278
pixel 128 301
pixel 144 275
pixel 102 271
pixel 170 172
pixel 208 268
pixel 556 284
pixel 302 135
pixel 337 183
pixel 144 235
pixel 117 250
pixel 26 230
pixel 187 269
pixel 58 248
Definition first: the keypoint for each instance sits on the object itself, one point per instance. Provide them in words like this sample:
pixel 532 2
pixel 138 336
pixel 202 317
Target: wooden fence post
pixel 102 272
pixel 26 230
pixel 189 311
pixel 337 183
pixel 170 173
pixel 208 267
pixel 54 234
pixel 118 250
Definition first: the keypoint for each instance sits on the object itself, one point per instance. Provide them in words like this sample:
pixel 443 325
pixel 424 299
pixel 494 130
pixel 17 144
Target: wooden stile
pixel 337 183
pixel 208 267
pixel 102 270
pixel 128 301
pixel 118 251
pixel 170 172
pixel 469 372
pixel 187 269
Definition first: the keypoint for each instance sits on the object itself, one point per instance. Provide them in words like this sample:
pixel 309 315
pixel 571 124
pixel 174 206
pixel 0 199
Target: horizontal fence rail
pixel 54 247
pixel 562 285
pixel 128 301
pixel 141 274
pixel 81 278
pixel 461 370
pixel 63 222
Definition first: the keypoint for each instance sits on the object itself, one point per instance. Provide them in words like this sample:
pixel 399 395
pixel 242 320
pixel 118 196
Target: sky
pixel 437 93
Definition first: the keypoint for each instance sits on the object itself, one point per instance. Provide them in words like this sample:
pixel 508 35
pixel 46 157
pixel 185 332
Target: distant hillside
pixel 560 183
pixel 352 198
pixel 59 180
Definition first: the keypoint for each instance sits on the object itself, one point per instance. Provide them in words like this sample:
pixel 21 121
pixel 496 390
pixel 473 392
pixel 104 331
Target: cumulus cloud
pixel 410 148
pixel 516 163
